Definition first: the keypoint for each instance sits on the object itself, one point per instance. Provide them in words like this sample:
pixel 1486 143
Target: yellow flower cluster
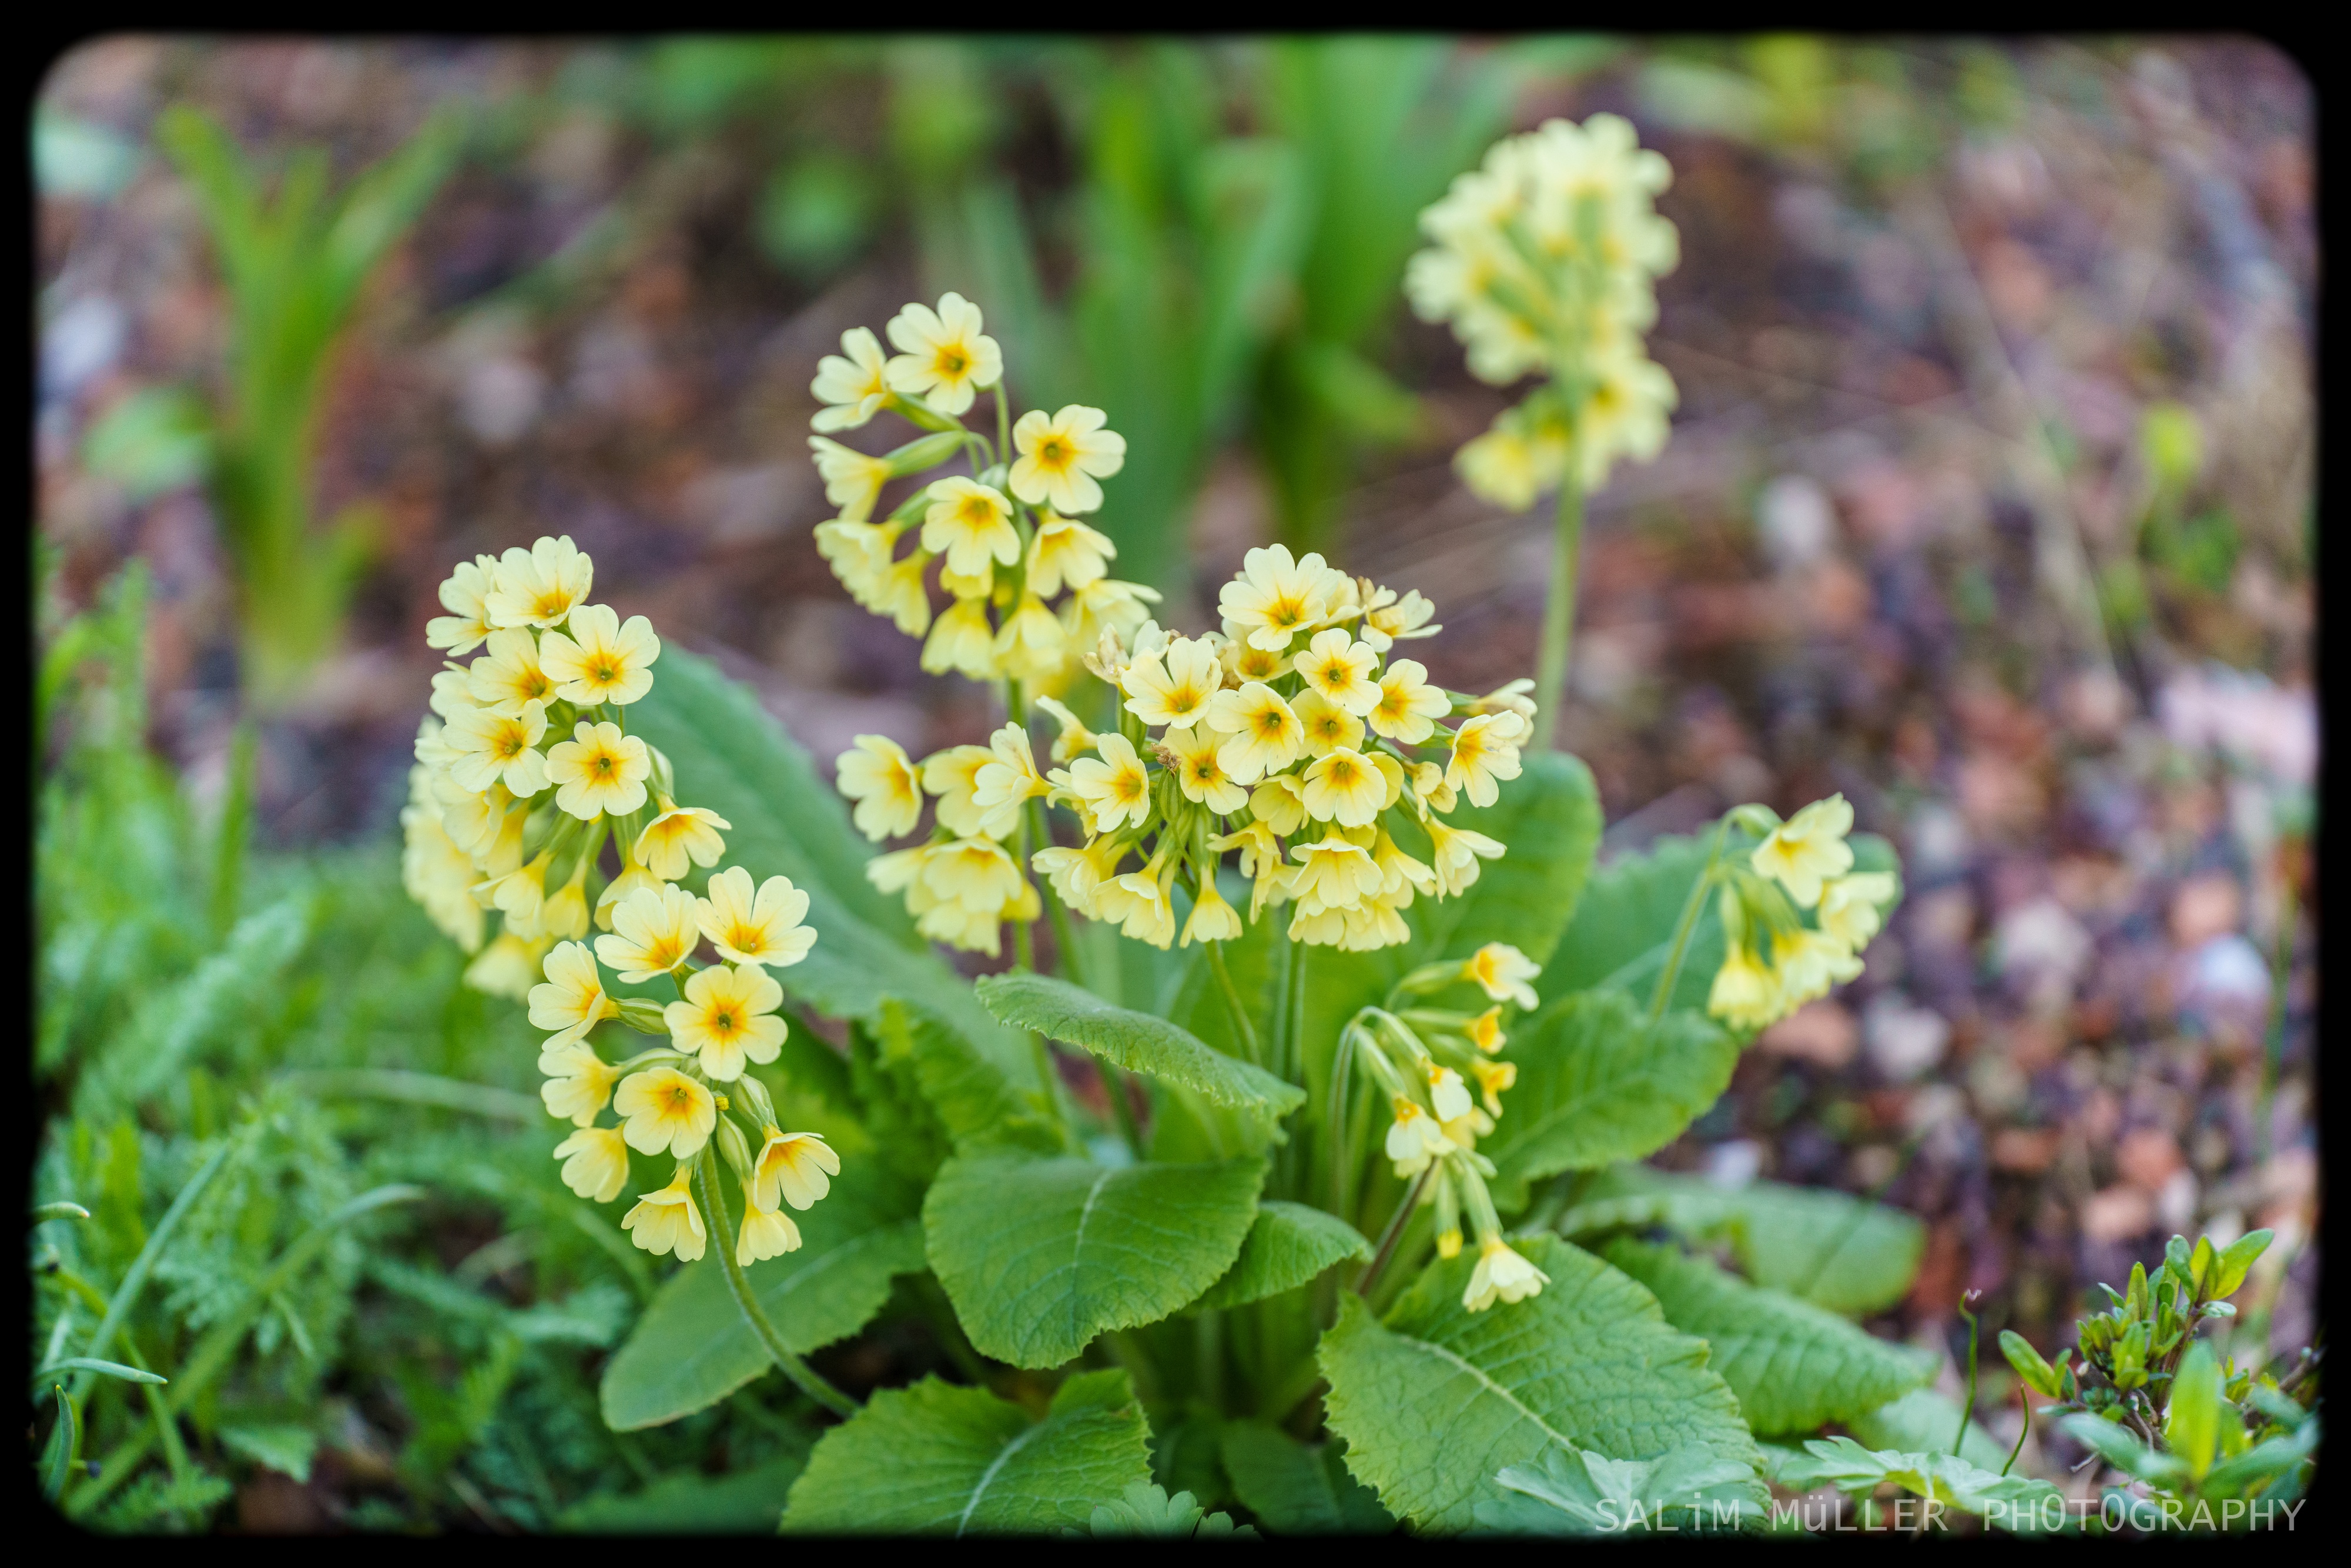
pixel 1543 262
pixel 524 769
pixel 1775 963
pixel 1426 1060
pixel 1005 539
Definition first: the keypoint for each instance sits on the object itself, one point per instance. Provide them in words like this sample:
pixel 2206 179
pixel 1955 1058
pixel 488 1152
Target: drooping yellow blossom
pixel 433 869
pixel 1486 1031
pixel 898 592
pixel 666 1220
pixel 595 1163
pixel 1266 735
pixel 599 772
pixel 1212 919
pixel 977 873
pixel 463 596
pixel 1744 993
pixel 1334 874
pixel 1414 1138
pixel 1389 620
pixel 1344 786
pixel 1407 707
pixel 1401 876
pixel 1456 855
pixel 573 1000
pixel 1175 686
pixel 1245 662
pixel 1115 787
pixel 1105 605
pixel 1485 751
pixel 952 775
pixel 1807 849
pixel 1006 781
pixel 971 524
pixel 577 1083
pixel 508 676
pixel 1504 974
pixel 597 659
pixel 1448 1095
pixel 1065 552
pixel 792 1167
pixel 851 383
pixel 1074 736
pixel 563 914
pixel 859 554
pixel 1276 596
pixel 1493 1077
pixel 1806 963
pixel 877 774
pixel 1139 904
pixel 727 1018
pixel 540 586
pixel 662 1110
pixel 633 877
pixel 492 750
pixel 653 931
pixel 678 835
pixel 1279 802
pixel 1031 645
pixel 852 481
pixel 1200 768
pixel 943 358
pixel 1076 874
pixel 1338 669
pixel 961 640
pixel 1063 456
pixel 1325 726
pixel 1850 907
pixel 1501 1274
pixel 507 967
pixel 762 928
pixel 764 1236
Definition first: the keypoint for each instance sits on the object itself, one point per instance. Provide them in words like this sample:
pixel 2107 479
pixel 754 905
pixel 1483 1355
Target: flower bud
pixel 731 1144
pixel 924 452
pixel 642 1015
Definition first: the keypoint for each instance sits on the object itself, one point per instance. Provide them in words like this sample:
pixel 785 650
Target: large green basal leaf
pixel 688 1502
pixel 1289 1244
pixel 979 1100
pixel 1599 1081
pixel 691 1348
pixel 1041 1255
pixel 1295 1490
pixel 1836 1250
pixel 1136 1041
pixel 732 758
pixel 935 1459
pixel 1794 1366
pixel 1435 1399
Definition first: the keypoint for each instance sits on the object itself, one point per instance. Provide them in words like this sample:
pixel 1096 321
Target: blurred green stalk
pixel 1559 612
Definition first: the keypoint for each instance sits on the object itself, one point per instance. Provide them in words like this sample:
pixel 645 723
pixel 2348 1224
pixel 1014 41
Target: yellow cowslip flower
pixel 1173 688
pixel 433 869
pixel 1414 1138
pixel 463 596
pixel 762 928
pixel 1280 804
pixel 1430 792
pixel 1344 786
pixel 493 750
pixel 1139 904
pixel 1260 862
pixel 597 659
pixel 899 871
pixel 572 1001
pixel 977 873
pixel 859 554
pixel 877 774
pixel 1400 874
pixel 1266 733
pixel 564 911
pixel 1484 750
pixel 509 676
pixel 1511 696
pixel 727 1018
pixel 666 1220
pixel 1063 456
pixel 577 1083
pixel 952 924
pixel 1198 764
pixel 952 775
pixel 678 835
pixel 653 931
pixel 595 1163
pixel 1850 906
pixel 1745 994
pixel 792 1167
pixel 507 966
pixel 1212 919
pixel 1074 736
pixel 1245 662
pixel 1373 923
pixel 979 585
pixel 1501 1274
pixel 1325 726
pixel 661 1109
pixel 1338 669
pixel 1114 788
pixel 943 358
pixel 1076 874
pixel 1335 873
pixel 1105 605
pixel 1006 781
pixel 1388 620
pixel 599 772
pixel 1493 1077
pixel 1806 963
pixel 851 383
pixel 1485 1031
pixel 1514 462
pixel 1628 399
pixel 1030 645
pixel 1065 551
pixel 762 1235
pixel 1407 707
pixel 539 586
pixel 852 481
pixel 1448 1095
pixel 1275 596
pixel 632 878
pixel 1504 974
pixel 969 524
pixel 961 640
pixel 1807 849
pixel 898 592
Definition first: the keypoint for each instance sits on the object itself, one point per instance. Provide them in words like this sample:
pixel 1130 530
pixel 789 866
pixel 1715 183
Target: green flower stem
pixel 2024 1401
pixel 803 1375
pixel 1065 939
pixel 1208 1343
pixel 1388 1237
pixel 1688 922
pixel 1967 1410
pixel 1559 609
pixel 1243 1030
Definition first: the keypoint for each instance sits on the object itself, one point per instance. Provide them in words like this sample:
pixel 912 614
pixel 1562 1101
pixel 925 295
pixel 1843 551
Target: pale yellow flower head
pixel 595 1163
pixel 666 1220
pixel 1279 803
pixel 1850 907
pixel 1389 620
pixel 1486 1033
pixel 1344 786
pixel 600 660
pixel 1114 787
pixel 577 1083
pixel 465 596
pixel 1324 726
pixel 961 640
pixel 1338 669
pixel 662 1110
pixel 1063 456
pixel 633 877
pixel 763 1236
pixel 1503 973
pixel 599 772
pixel 726 1018
pixel 1175 686
pixel 1745 995
pixel 492 750
pixel 943 358
pixel 969 524
pixel 1501 1274
pixel 655 930
pixel 1407 707
pixel 539 586
pixel 1493 1077
pixel 1414 1138
pixel 1266 735
pixel 1335 873
pixel 1212 919
pixel 573 1000
pixel 859 554
pixel 977 873
pixel 1031 645
pixel 1065 551
pixel 507 966
pixel 1806 963
pixel 851 383
pixel 1006 781
pixel 1074 736
pixel 877 774
pixel 1484 750
pixel 1197 761
pixel 792 1167
pixel 509 676
pixel 680 834
pixel 1276 596
pixel 1807 849
pixel 952 775
pixel 762 928
pixel 852 481
pixel 897 591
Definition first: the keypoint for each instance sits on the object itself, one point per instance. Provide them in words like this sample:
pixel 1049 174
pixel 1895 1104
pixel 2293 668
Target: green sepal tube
pixel 924 452
pixel 644 1015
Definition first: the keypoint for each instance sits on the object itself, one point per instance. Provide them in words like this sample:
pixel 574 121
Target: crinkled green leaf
pixel 1136 1041
pixel 1146 1509
pixel 1922 1421
pixel 935 1459
pixel 1575 1492
pixel 688 1503
pixel 1600 1080
pixel 1436 1399
pixel 1834 1249
pixel 981 1101
pixel 1794 1366
pixel 2019 1504
pixel 1041 1255
pixel 691 1348
pixel 1288 1245
pixel 1295 1490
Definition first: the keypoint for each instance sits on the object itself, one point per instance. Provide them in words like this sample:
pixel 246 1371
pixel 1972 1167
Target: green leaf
pixel 281 1447
pixel 1041 1255
pixel 690 1502
pixel 980 1101
pixel 1288 1245
pixel 1794 1366
pixel 935 1459
pixel 2236 1260
pixel 1146 1509
pixel 1600 1080
pixel 2038 1375
pixel 1573 1493
pixel 1295 1490
pixel 1136 1041
pixel 2192 1424
pixel 692 1348
pixel 1834 1250
pixel 1436 1399
pixel 2019 1504
pixel 155 440
pixel 104 1368
pixel 1922 1421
